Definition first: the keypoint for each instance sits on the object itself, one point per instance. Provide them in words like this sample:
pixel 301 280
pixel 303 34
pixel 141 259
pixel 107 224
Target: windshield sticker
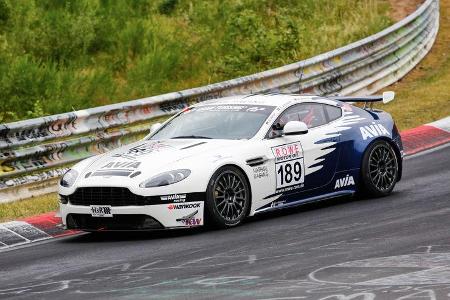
pixel 261 109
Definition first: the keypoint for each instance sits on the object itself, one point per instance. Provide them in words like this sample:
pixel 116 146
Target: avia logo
pixel 122 164
pixel 372 131
pixel 346 181
pixel 183 206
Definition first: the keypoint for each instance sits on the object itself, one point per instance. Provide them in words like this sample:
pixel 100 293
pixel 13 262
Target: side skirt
pixel 305 201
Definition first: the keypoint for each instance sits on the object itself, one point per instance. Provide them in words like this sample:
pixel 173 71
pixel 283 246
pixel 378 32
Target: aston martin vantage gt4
pixel 221 160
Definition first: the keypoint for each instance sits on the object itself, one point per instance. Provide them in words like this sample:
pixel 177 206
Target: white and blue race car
pixel 222 160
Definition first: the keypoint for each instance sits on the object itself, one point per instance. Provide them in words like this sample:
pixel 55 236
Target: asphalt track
pixel 397 247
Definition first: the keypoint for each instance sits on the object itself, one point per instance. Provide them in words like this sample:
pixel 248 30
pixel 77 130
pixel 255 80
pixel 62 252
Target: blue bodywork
pixel 345 162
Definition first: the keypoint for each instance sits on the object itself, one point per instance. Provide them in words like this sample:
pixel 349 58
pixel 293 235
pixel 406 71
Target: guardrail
pixel 34 153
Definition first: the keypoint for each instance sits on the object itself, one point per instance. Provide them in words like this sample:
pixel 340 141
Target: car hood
pixel 153 157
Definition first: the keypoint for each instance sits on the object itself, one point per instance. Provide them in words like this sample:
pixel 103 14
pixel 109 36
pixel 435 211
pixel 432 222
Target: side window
pixel 312 114
pixel 333 112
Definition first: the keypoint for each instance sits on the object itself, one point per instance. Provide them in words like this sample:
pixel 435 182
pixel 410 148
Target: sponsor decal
pixel 192 222
pixel 101 211
pixel 374 130
pixel 142 149
pixel 277 203
pixel 290 188
pixel 190 219
pixel 342 182
pixel 122 165
pixel 287 152
pixel 174 198
pixel 260 172
pixel 183 206
pixel 289 166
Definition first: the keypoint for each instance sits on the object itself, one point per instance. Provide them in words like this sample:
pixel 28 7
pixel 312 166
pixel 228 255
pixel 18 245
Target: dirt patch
pixel 403 8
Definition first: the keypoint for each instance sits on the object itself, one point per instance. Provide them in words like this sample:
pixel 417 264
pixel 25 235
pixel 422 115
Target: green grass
pixel 28 207
pixel 63 55
pixel 423 95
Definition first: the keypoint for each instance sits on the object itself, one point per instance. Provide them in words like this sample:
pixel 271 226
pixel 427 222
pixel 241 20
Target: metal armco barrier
pixel 34 153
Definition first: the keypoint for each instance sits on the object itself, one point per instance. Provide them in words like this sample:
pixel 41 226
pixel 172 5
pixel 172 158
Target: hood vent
pixel 112 173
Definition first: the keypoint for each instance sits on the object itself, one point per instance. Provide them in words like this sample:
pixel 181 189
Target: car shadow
pixel 119 236
pixel 317 205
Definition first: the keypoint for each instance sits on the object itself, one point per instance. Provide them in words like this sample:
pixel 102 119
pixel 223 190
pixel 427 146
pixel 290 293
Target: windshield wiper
pixel 191 137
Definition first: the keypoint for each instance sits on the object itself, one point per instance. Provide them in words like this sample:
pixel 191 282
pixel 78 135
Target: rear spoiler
pixel 386 98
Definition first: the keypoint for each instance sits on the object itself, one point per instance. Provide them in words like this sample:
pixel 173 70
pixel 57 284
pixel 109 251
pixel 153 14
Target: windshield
pixel 216 122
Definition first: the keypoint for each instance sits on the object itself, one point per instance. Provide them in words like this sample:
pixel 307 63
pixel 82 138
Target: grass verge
pixel 28 207
pixel 423 95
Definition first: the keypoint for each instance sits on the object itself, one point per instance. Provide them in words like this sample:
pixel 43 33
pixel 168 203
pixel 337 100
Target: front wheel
pixel 379 169
pixel 228 198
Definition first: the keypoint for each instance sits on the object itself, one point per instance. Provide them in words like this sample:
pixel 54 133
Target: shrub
pixel 61 55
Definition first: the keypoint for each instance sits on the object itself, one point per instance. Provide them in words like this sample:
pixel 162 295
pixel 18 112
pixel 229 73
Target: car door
pixel 303 163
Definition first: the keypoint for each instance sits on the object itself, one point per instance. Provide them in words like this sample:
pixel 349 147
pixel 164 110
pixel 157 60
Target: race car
pixel 220 161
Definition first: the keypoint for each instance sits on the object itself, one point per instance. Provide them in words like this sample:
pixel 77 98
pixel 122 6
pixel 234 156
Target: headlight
pixel 166 178
pixel 69 178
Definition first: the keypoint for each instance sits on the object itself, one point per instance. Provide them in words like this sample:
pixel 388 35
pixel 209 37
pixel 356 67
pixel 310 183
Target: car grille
pixel 117 222
pixel 114 196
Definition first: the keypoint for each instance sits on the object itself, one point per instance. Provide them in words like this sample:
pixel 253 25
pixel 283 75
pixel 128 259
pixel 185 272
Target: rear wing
pixel 386 97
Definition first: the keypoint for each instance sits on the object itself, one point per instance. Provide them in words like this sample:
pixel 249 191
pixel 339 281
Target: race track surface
pixel 386 248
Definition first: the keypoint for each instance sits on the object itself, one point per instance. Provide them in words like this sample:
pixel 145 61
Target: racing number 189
pixel 289 172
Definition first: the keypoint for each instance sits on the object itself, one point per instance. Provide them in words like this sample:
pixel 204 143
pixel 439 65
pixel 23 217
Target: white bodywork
pixel 203 158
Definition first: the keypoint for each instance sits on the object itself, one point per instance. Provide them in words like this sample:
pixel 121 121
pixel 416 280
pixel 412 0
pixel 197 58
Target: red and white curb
pixel 47 226
pixel 426 136
pixel 32 229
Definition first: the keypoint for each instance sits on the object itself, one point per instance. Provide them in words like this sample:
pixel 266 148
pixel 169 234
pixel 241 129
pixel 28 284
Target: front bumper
pixel 136 217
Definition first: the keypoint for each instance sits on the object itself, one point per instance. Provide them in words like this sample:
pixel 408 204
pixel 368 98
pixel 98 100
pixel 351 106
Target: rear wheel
pixel 379 169
pixel 228 198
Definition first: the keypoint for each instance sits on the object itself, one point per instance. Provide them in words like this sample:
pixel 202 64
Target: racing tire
pixel 379 169
pixel 227 198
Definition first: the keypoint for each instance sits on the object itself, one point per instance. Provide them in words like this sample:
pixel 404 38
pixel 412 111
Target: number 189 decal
pixel 289 165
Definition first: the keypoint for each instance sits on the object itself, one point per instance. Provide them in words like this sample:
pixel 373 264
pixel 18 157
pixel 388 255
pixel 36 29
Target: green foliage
pixel 166 7
pixel 4 11
pixel 63 55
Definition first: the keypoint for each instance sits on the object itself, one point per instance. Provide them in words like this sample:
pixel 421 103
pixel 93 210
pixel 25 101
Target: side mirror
pixel 155 127
pixel 294 128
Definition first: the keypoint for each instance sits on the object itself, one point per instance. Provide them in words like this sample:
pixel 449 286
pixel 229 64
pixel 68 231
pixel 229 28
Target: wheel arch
pixel 396 151
pixel 246 179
